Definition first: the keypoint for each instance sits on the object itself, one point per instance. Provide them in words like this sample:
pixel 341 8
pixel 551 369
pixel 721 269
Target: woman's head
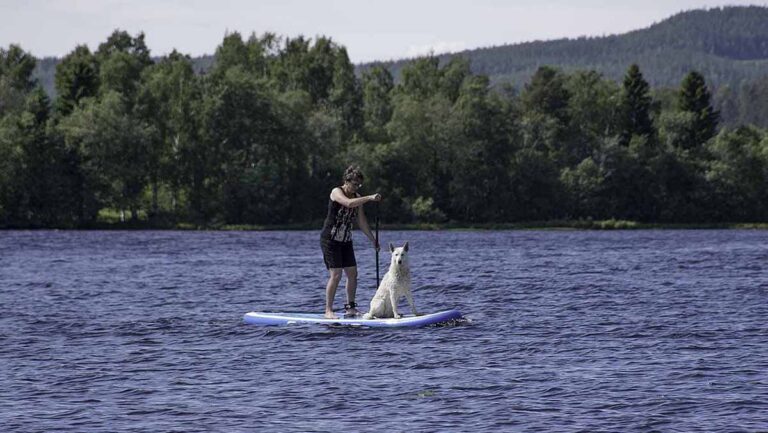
pixel 353 176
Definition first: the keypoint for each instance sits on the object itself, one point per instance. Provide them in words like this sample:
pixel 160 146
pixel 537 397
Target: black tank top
pixel 339 222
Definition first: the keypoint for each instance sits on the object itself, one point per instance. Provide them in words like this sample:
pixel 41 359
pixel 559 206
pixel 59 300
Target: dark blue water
pixel 568 331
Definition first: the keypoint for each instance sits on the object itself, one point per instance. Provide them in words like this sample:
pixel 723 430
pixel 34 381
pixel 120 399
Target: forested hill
pixel 727 45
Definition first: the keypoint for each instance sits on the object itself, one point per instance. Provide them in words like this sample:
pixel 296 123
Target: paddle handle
pixel 377 243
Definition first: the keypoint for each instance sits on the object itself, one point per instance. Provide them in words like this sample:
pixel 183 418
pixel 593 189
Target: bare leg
pixel 330 292
pixel 351 273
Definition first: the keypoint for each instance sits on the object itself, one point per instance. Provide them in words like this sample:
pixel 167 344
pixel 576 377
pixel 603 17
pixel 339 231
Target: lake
pixel 568 331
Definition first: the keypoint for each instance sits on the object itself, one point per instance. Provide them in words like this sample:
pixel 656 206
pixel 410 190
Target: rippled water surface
pixel 567 331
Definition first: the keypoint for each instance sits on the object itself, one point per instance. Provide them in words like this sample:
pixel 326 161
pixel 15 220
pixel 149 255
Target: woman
pixel 344 207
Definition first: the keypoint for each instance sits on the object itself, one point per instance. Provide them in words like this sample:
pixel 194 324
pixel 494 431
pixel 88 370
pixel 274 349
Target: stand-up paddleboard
pixel 407 321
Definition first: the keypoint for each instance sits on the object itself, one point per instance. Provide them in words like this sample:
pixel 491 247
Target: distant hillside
pixel 727 45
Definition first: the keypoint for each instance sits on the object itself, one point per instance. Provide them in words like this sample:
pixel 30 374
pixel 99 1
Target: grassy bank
pixel 112 220
pixel 576 225
pixel 143 224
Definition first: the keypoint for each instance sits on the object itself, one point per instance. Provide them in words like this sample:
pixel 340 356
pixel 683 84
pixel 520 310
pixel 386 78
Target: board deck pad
pixel 407 321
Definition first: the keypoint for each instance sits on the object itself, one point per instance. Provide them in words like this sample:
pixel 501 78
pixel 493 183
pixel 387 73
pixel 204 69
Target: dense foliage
pixel 263 136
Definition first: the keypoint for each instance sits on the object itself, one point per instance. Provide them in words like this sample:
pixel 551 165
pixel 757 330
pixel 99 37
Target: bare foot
pixel 351 312
pixel 330 315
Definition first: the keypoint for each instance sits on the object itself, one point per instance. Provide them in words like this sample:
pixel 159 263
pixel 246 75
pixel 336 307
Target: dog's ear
pixel 391 248
pixel 405 247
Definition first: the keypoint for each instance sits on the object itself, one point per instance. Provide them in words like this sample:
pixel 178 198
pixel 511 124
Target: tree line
pixel 263 136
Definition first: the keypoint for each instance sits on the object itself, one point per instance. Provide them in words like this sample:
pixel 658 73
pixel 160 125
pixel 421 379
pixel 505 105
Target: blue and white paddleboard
pixel 407 321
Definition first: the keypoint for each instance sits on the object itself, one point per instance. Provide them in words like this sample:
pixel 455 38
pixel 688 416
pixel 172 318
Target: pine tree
pixel 694 97
pixel 16 67
pixel 636 104
pixel 547 94
pixel 77 77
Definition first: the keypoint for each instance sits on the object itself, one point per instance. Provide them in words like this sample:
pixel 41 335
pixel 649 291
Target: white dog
pixel 395 284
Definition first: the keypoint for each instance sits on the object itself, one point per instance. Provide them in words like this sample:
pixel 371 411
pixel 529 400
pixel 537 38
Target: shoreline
pixel 453 226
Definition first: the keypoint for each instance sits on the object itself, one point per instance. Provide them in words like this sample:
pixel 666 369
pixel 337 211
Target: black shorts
pixel 338 254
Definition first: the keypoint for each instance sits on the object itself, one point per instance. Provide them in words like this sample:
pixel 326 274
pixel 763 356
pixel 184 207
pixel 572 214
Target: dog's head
pixel 399 255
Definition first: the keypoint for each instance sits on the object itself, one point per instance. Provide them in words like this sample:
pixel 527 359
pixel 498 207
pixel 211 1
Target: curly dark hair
pixel 351 173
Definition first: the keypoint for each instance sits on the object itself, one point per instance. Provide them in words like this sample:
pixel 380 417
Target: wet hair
pixel 351 173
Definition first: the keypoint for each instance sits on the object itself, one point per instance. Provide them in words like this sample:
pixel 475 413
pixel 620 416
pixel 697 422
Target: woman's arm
pixel 338 196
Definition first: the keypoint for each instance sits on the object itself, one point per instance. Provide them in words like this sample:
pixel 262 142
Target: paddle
pixel 377 243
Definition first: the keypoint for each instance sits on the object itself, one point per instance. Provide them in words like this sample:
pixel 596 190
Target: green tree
pixel 452 77
pixel 377 102
pixel 421 79
pixel 16 67
pixel 290 71
pixel 253 55
pixel 77 77
pixel 321 66
pixel 307 66
pixel 167 97
pixel 113 147
pixel 346 95
pixel 677 130
pixel 22 127
pixel 422 134
pixel 16 80
pixel 121 59
pixel 628 185
pixel 232 52
pixel 584 187
pixel 739 175
pixel 33 184
pixel 547 94
pixel 593 114
pixel 536 189
pixel 483 154
pixel 636 106
pixel 46 184
pixel 545 114
pixel 696 99
pixel 11 190
pixel 257 162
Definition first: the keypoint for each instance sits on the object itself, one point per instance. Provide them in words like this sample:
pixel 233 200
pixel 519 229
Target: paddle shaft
pixel 377 244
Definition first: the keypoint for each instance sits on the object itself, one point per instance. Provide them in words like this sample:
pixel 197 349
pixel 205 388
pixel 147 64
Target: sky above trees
pixel 369 30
